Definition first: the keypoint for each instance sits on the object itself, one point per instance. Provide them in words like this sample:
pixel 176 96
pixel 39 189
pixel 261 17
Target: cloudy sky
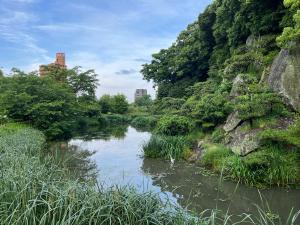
pixel 114 37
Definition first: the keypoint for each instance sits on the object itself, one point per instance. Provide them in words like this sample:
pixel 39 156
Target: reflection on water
pixel 118 157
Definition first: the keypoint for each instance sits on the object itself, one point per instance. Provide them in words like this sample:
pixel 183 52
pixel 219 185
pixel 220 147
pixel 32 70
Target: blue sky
pixel 114 37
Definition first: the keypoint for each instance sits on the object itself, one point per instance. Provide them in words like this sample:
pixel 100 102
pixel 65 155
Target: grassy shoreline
pixel 37 191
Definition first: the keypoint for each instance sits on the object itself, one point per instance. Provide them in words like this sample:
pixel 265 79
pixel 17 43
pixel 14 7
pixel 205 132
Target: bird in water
pixel 172 160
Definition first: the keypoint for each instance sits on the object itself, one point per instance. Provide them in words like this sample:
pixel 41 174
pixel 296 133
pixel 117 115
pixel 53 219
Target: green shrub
pixel 174 125
pixel 167 105
pixel 116 119
pixel 165 146
pixel 144 122
pixel 290 136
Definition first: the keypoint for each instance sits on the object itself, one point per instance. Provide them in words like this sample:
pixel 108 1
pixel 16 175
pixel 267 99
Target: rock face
pixel 236 84
pixel 284 76
pixel 232 122
pixel 243 141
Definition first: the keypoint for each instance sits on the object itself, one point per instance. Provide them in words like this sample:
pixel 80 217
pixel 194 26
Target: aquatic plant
pixel 35 190
pixel 268 167
pixel 165 146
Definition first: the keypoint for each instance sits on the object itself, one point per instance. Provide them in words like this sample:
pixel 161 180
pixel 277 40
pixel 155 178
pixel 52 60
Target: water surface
pixel 117 155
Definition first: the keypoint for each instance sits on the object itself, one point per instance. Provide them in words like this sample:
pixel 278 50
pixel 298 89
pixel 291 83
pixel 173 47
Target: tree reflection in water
pixel 74 159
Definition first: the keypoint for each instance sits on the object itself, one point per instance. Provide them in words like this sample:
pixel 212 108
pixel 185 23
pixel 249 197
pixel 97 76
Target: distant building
pixel 60 63
pixel 139 93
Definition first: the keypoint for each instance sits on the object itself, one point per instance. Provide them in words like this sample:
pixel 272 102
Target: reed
pixel 35 190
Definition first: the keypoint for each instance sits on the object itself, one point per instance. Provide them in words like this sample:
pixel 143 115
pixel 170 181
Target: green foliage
pixel 258 101
pixel 120 104
pixel 166 147
pixel 291 33
pixel 27 175
pixel 218 135
pixel 211 110
pixel 49 103
pixel 290 136
pixel 167 105
pixel 144 122
pixel 144 101
pixel 115 119
pixel 114 104
pixel 174 125
pixel 37 190
pixel 83 83
pixel 106 104
pixel 268 167
pixel 215 156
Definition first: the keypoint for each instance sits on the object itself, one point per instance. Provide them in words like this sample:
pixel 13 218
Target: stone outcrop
pixel 284 76
pixel 232 122
pixel 236 84
pixel 243 141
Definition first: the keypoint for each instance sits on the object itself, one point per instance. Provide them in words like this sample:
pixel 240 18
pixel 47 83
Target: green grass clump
pixel 268 167
pixel 166 146
pixel 144 122
pixel 215 156
pixel 37 191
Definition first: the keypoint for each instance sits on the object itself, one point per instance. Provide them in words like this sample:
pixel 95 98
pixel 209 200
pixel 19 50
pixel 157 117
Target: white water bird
pixel 172 160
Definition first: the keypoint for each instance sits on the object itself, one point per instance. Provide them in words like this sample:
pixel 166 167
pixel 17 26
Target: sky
pixel 114 37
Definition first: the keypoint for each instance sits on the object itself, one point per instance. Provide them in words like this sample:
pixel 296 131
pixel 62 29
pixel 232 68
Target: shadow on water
pixel 116 153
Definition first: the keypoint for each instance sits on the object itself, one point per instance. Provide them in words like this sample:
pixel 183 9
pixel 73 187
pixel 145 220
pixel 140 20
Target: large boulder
pixel 284 76
pixel 232 122
pixel 244 141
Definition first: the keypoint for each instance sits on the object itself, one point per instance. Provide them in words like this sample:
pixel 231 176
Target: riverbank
pixel 36 190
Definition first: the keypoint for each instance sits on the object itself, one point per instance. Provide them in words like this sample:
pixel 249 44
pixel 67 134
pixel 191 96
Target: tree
pixel 106 104
pixel 144 101
pixel 212 109
pixel 119 104
pixel 1 73
pixel 258 101
pixel 83 83
pixel 291 33
pixel 45 103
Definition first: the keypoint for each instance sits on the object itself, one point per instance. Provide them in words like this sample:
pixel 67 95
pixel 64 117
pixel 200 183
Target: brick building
pixel 139 93
pixel 60 63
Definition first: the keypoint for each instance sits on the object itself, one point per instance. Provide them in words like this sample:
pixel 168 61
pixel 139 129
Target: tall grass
pixel 34 190
pixel 268 167
pixel 166 146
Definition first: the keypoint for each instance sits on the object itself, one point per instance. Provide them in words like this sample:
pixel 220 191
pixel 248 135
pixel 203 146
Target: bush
pixel 167 105
pixel 115 119
pixel 144 122
pixel 290 136
pixel 166 146
pixel 174 125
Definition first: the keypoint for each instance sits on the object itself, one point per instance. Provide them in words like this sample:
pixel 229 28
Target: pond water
pixel 117 155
